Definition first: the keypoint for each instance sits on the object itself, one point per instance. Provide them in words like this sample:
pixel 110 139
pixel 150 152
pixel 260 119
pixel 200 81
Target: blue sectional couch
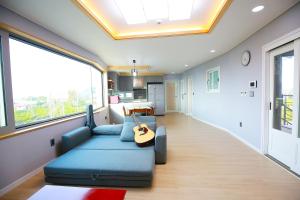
pixel 99 157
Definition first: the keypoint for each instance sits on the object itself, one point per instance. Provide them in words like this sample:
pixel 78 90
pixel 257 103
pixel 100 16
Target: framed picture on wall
pixel 213 80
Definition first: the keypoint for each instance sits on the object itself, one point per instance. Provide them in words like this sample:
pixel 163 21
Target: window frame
pixel 208 73
pixel 2 85
pixel 60 53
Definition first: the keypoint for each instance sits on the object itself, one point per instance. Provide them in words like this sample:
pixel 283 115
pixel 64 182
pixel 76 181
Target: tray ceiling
pixel 127 19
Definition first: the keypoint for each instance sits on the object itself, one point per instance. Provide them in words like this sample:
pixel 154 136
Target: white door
pixel 190 96
pixel 171 96
pixel 182 96
pixel 284 103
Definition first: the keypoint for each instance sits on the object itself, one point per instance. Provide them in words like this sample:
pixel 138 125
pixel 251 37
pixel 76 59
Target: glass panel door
pixel 283 92
pixel 283 110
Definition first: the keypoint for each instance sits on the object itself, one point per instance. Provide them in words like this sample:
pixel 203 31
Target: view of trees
pixel 48 85
pixel 34 109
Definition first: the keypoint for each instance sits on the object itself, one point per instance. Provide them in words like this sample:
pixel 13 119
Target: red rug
pixel 53 192
pixel 105 194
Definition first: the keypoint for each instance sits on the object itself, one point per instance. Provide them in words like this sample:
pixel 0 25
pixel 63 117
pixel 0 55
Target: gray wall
pixel 24 153
pixel 227 108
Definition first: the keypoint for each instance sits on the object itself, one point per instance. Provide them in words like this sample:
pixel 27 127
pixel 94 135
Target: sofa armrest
pixel 160 145
pixel 74 138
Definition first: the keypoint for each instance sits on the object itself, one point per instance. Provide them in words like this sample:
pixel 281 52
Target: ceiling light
pixel 132 12
pixel 155 9
pixel 186 65
pixel 258 8
pixel 134 71
pixel 180 10
pixel 172 72
pixel 212 51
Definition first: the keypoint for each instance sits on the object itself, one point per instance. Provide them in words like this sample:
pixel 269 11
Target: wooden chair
pixel 125 112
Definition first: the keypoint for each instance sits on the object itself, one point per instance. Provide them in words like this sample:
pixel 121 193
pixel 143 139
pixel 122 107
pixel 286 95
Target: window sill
pixel 44 125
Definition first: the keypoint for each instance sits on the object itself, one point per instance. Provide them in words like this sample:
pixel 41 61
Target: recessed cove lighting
pixel 258 8
pixel 212 51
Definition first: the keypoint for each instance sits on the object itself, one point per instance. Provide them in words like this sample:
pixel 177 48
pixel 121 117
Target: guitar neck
pixel 136 121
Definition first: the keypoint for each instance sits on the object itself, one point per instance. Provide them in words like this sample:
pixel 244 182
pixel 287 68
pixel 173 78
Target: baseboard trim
pixel 20 180
pixel 229 132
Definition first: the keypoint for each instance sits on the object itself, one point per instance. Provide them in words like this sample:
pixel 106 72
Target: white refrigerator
pixel 156 95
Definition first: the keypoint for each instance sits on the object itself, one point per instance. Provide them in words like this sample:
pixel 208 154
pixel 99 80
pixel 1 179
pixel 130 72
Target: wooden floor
pixel 203 163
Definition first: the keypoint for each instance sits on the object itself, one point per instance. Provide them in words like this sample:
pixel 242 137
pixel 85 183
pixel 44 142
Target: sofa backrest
pixel 143 119
pixel 75 137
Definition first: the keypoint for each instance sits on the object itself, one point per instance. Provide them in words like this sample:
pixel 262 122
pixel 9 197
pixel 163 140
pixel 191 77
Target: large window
pixel 48 85
pixel 2 107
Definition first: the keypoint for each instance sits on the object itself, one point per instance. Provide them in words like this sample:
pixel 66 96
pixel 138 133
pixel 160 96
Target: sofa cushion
pixel 96 166
pixel 127 134
pixel 110 142
pixel 114 129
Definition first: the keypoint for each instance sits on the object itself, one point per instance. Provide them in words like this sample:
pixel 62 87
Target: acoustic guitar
pixel 143 136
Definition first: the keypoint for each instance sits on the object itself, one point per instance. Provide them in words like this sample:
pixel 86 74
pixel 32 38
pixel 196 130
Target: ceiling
pixel 154 18
pixel 164 54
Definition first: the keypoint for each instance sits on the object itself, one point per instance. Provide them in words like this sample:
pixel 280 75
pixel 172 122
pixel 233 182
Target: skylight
pixel 142 11
pixel 180 9
pixel 132 11
pixel 156 9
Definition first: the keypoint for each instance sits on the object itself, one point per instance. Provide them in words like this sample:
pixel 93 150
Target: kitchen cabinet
pixel 151 79
pixel 113 79
pixel 125 83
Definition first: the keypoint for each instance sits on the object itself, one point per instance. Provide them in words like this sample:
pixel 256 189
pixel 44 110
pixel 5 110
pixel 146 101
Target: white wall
pixel 24 153
pixel 227 108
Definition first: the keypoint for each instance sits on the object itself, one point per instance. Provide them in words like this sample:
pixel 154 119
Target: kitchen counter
pixel 133 101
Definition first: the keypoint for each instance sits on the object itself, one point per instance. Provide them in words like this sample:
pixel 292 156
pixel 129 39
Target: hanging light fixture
pixel 134 71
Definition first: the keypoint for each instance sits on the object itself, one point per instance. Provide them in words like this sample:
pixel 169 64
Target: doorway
pixel 189 96
pixel 171 96
pixel 283 134
pixel 183 95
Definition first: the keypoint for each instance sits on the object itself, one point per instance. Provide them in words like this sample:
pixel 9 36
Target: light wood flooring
pixel 203 163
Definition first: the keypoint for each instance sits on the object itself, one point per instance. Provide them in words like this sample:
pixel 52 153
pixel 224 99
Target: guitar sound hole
pixel 145 130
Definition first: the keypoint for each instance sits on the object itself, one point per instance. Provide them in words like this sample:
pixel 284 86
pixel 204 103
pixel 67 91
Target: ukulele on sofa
pixel 143 136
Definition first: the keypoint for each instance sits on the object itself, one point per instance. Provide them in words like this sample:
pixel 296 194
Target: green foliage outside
pixel 42 108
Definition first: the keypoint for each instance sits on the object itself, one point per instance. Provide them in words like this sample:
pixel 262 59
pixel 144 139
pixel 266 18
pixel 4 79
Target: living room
pixel 215 83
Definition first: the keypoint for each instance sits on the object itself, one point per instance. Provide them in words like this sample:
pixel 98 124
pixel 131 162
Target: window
pixel 2 105
pixel 48 85
pixel 213 80
pixel 97 88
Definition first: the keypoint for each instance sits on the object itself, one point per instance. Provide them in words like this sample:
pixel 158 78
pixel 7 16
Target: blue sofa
pixel 99 157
